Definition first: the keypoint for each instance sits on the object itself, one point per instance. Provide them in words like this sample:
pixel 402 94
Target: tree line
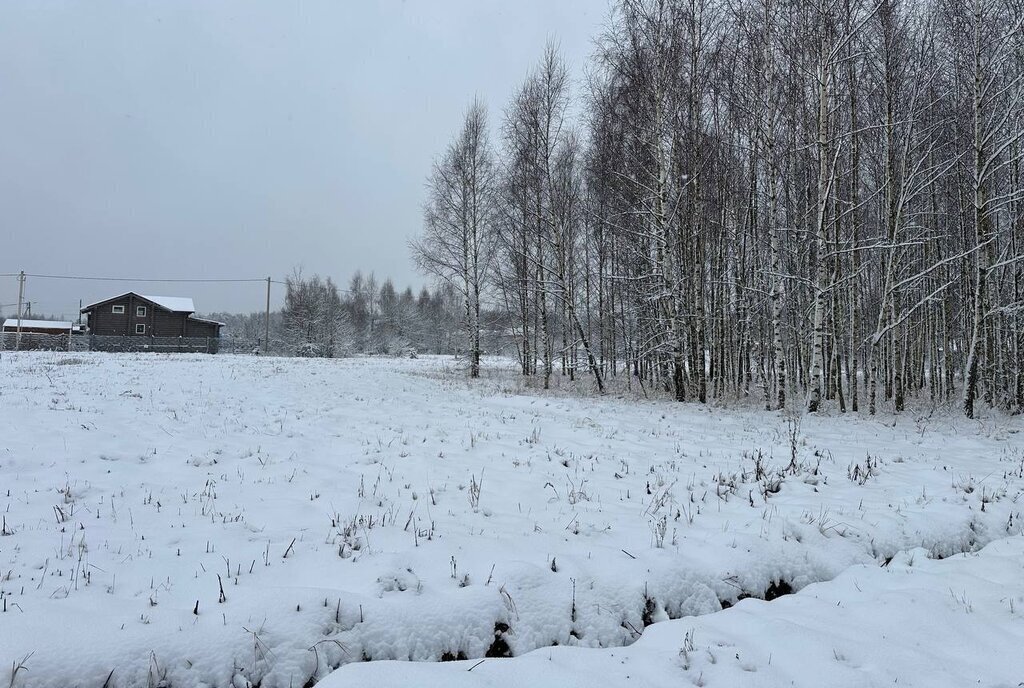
pixel 798 201
pixel 319 319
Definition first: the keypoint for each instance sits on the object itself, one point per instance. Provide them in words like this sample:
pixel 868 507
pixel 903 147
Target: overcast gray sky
pixel 222 139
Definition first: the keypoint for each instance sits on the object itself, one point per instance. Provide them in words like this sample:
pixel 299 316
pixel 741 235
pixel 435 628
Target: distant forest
pixel 320 319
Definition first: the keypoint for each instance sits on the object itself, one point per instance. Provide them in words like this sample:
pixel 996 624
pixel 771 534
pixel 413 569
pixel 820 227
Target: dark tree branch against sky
pixel 240 138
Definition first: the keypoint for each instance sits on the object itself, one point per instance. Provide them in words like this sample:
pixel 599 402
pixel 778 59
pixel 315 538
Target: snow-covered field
pixel 225 521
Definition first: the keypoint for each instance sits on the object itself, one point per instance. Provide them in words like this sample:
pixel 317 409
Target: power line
pixel 129 279
pixel 141 279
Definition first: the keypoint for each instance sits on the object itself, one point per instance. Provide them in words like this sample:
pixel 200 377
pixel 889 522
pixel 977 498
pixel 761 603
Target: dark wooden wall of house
pixel 198 328
pixel 103 320
pixel 165 324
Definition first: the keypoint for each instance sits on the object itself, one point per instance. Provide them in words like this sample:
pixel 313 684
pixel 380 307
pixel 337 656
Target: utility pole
pixel 21 297
pixel 266 323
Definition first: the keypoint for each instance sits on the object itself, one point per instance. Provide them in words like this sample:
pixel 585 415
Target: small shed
pixel 38 326
pixel 36 334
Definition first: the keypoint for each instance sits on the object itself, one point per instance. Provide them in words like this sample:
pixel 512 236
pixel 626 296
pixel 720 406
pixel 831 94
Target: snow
pixel 178 304
pixel 205 320
pixel 915 622
pixel 385 509
pixel 12 324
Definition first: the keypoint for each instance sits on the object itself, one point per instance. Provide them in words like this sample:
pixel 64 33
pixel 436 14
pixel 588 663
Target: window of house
pixel 140 311
pixel 118 310
pixel 140 329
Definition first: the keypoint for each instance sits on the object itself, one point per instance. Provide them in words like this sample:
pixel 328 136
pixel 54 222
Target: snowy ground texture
pixel 183 520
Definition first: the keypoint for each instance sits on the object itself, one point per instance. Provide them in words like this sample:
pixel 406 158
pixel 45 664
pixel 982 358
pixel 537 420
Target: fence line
pixel 35 341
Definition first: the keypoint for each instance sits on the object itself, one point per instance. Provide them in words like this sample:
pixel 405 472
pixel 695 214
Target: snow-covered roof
pixel 178 304
pixel 12 323
pixel 206 320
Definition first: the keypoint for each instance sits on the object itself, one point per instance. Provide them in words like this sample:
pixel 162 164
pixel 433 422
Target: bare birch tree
pixel 457 238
